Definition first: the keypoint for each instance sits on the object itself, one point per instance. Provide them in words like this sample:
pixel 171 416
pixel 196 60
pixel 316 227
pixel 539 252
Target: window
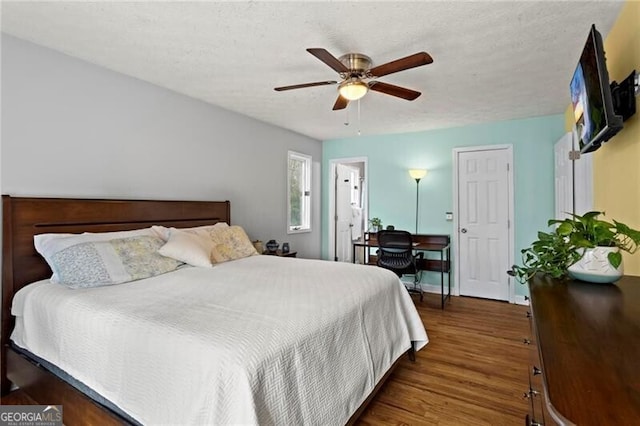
pixel 299 193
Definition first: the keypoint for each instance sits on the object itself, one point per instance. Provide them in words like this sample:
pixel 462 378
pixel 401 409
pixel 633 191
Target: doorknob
pixel 463 230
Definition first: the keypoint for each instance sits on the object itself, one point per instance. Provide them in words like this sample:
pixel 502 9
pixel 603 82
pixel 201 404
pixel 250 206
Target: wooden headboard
pixel 25 217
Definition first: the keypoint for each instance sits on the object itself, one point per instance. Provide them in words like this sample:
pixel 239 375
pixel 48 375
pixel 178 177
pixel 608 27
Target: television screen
pixel 591 96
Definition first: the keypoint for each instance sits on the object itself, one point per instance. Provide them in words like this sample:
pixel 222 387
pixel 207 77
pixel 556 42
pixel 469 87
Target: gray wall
pixel 74 129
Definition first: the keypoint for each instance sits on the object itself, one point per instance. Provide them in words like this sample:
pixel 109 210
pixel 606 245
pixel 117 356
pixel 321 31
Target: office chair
pixel 395 252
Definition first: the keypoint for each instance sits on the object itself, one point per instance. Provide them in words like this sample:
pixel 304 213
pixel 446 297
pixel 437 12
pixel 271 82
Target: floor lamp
pixel 417 174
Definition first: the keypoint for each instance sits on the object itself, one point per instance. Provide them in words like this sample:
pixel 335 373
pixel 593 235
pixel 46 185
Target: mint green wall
pixel 392 192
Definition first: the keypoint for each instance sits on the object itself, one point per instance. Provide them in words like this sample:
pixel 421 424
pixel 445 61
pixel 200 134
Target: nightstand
pixel 280 253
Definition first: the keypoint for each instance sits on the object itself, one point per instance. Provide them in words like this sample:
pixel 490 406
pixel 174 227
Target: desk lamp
pixel 417 174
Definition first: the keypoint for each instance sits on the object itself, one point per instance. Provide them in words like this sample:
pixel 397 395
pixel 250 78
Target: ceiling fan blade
pixel 411 61
pixel 397 91
pixel 328 59
pixel 341 103
pixel 300 86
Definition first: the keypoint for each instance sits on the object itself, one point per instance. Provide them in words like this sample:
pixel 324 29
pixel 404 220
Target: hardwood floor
pixel 472 372
pixel 17 398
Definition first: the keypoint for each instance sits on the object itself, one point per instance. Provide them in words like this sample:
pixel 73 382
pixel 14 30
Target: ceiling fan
pixel 355 69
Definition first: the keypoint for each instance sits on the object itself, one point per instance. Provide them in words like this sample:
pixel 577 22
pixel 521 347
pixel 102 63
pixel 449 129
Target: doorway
pixel 483 186
pixel 348 206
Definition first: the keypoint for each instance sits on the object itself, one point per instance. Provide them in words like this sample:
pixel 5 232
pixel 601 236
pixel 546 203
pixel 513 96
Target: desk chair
pixel 395 252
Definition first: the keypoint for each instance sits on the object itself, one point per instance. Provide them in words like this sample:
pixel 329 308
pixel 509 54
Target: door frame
pixel 510 215
pixel 332 196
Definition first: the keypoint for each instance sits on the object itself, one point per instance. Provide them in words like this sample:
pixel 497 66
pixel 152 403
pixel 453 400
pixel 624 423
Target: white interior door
pixel 582 182
pixel 563 177
pixel 346 179
pixel 484 205
pixel 573 179
pixel 342 195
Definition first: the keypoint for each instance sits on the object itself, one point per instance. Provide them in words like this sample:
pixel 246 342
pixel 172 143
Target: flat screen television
pixel 593 111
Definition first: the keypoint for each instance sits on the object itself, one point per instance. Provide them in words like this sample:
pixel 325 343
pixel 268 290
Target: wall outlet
pixel 449 216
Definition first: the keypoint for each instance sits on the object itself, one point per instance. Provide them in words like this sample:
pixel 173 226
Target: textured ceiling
pixel 492 60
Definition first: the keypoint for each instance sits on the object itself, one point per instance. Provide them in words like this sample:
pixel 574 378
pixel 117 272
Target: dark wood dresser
pixel 587 337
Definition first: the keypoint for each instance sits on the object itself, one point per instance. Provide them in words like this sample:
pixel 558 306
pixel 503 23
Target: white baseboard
pixel 435 288
pixel 428 288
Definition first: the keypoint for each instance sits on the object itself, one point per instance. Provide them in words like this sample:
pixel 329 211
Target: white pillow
pixel 49 244
pixel 187 247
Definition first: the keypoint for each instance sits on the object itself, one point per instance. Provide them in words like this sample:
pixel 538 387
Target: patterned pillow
pixel 231 243
pixel 116 261
pixel 49 244
pixel 165 233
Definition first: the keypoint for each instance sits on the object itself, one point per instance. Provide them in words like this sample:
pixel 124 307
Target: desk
pixel 423 242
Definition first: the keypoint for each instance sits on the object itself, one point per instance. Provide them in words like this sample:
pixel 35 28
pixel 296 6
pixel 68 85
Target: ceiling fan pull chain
pixel 346 111
pixel 359 117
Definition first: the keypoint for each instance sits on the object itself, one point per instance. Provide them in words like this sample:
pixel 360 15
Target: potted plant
pixel 583 247
pixel 375 224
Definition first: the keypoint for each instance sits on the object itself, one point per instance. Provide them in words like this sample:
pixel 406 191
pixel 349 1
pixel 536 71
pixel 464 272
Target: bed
pixel 261 339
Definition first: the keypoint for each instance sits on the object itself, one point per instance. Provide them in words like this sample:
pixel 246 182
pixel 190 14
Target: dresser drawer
pixel 536 414
pixel 588 338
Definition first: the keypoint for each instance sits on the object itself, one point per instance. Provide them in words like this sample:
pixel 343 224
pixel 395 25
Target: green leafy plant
pixel 375 223
pixel 553 252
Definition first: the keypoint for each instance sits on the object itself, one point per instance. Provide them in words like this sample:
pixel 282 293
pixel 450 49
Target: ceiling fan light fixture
pixel 353 89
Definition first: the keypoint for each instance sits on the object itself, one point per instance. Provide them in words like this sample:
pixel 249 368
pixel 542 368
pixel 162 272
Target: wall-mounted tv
pixel 593 111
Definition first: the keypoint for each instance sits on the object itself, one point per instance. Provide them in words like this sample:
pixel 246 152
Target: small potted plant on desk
pixel 375 224
pixel 583 247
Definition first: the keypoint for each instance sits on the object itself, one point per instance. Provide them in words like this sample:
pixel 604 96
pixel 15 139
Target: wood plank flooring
pixel 472 372
pixel 17 398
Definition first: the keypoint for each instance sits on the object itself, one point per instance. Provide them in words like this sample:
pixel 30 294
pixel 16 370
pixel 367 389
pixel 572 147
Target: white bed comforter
pixel 265 340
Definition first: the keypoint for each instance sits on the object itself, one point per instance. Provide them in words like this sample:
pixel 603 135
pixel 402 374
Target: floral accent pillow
pixel 100 263
pixel 49 244
pixel 230 244
pixel 165 233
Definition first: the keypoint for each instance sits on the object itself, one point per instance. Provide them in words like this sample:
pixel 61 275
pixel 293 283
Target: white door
pixel 582 181
pixel 346 179
pixel 563 177
pixel 484 204
pixel 573 179
pixel 342 196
